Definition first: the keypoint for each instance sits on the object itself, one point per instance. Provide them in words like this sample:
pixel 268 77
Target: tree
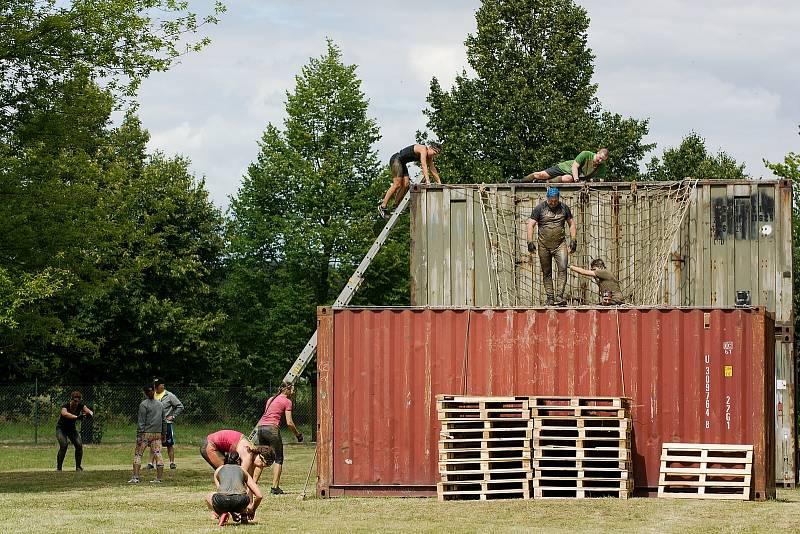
pixel 532 103
pixel 304 214
pixel 43 42
pixel 691 159
pixel 790 170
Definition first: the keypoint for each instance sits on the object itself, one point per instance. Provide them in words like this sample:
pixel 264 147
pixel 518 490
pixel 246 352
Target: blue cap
pixel 553 192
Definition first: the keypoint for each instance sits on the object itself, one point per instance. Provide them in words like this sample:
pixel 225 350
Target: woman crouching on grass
pixel 218 445
pixel 231 498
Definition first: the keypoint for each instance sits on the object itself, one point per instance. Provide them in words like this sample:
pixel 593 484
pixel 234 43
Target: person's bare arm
pixel 573 229
pixel 435 172
pixel 68 415
pixel 216 476
pixel 290 423
pixel 422 150
pixel 257 496
pixel 581 270
pixel 576 171
pixel 531 224
pixel 87 411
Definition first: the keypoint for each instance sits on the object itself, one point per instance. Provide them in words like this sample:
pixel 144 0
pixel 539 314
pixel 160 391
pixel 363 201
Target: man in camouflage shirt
pixel 551 216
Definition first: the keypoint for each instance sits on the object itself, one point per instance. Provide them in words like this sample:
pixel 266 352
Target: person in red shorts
pixel 224 442
pixel 267 431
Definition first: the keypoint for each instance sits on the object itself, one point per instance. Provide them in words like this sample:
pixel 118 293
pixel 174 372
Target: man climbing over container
pixel 607 283
pixel 551 216
pixel 422 155
pixel 587 165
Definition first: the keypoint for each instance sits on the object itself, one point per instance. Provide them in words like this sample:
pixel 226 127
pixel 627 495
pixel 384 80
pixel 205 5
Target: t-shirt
pixel 225 440
pixel 68 424
pixel 551 223
pixel 587 167
pixel 274 410
pixel 408 155
pixel 608 282
pixel 232 480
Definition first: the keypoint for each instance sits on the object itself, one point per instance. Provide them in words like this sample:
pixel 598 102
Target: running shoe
pixel 276 491
pixel 173 465
pixel 134 480
pixel 383 211
pixel 150 466
pixel 156 481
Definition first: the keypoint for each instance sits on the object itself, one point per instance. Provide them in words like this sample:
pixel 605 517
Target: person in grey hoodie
pixel 150 430
pixel 173 407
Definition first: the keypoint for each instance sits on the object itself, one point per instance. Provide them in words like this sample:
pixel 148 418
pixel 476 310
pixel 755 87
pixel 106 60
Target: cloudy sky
pixel 726 69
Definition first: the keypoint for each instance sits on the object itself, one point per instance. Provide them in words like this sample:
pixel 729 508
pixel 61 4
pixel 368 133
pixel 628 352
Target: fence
pixel 28 412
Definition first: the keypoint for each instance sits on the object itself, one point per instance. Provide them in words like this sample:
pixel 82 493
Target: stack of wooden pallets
pixel 705 471
pixel 484 447
pixel 581 447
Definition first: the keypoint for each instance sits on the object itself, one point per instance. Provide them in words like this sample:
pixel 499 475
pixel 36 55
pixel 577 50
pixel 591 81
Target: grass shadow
pixel 64 481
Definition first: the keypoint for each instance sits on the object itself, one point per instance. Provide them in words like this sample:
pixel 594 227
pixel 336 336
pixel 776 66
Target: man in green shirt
pixel 587 165
pixel 607 283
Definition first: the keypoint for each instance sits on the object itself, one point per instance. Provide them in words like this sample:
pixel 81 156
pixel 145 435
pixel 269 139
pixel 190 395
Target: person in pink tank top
pixel 267 431
pixel 223 443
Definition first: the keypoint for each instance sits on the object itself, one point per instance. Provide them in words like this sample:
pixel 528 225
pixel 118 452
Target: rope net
pixel 631 229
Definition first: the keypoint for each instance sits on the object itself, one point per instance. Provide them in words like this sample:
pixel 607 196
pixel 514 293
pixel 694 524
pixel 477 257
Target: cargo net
pixel 631 229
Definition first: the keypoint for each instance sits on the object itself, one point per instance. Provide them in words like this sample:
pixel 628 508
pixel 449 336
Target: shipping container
pixel 694 375
pixel 729 238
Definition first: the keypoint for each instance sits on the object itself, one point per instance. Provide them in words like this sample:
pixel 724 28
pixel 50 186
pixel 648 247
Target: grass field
pixel 35 498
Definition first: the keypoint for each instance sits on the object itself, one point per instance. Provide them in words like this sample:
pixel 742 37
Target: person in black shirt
pixel 66 430
pixel 398 163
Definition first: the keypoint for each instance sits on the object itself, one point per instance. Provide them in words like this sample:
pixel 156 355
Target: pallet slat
pixel 705 471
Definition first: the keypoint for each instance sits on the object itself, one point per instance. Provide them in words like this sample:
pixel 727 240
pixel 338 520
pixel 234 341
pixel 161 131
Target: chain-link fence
pixel 28 412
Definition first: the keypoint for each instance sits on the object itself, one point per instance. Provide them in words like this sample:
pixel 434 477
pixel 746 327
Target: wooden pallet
pixel 582 443
pixel 599 433
pixel 454 407
pixel 577 493
pixel 515 489
pixel 576 422
pixel 591 400
pixel 705 471
pixel 610 464
pixel 492 475
pixel 456 466
pixel 579 453
pixel 491 425
pixel 600 484
pixel 479 454
pixel 593 474
pixel 579 411
pixel 490 443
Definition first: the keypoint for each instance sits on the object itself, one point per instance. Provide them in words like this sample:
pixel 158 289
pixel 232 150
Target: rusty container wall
pixel 695 375
pixel 735 236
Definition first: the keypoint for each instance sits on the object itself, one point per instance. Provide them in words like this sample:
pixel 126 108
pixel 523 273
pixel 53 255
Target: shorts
pixel 271 435
pixel 170 437
pixel 555 172
pixel 399 169
pixel 230 503
pixel 208 448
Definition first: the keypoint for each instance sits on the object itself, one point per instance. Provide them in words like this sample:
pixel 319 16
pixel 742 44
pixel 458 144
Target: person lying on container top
pixel 587 165
pixel 551 216
pixel 607 283
pixel 398 163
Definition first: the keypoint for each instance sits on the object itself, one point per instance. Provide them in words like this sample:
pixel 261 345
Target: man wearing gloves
pixel 551 216
pixel 173 407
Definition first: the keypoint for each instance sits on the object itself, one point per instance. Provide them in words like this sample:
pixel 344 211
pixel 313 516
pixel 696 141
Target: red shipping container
pixel 694 375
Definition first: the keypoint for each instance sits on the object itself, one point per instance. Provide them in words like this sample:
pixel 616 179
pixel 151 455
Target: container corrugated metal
pixel 735 236
pixel 695 375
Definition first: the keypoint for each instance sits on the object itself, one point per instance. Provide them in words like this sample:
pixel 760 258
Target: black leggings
pixel 75 438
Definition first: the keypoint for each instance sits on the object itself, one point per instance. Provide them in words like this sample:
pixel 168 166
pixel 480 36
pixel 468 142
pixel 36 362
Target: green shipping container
pixel 696 243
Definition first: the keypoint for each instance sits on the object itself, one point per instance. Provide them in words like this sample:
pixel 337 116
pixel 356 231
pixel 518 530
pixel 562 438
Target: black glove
pixel 300 438
pixel 531 246
pixel 573 246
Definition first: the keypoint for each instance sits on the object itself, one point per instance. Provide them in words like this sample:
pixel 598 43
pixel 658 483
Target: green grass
pixel 35 498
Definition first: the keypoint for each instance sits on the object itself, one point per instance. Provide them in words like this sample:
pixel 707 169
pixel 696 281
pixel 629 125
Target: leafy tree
pixel 303 217
pixel 532 103
pixel 790 170
pixel 691 159
pixel 42 43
